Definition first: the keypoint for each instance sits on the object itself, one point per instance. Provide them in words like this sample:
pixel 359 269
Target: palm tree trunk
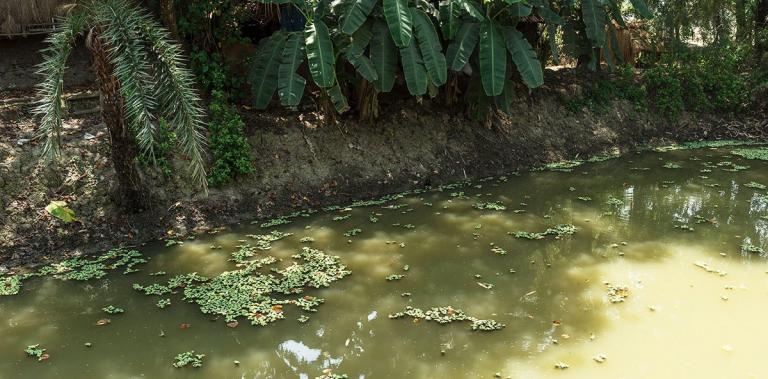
pixel 123 146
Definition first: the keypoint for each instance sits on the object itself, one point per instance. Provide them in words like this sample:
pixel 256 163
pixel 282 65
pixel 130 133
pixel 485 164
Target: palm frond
pixel 177 96
pixel 121 31
pixel 49 107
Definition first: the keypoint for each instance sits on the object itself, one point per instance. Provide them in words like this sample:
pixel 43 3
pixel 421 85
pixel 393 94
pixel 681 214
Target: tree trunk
pixel 761 30
pixel 742 29
pixel 169 17
pixel 130 194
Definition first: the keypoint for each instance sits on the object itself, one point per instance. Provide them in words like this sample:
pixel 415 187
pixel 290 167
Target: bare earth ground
pixel 301 161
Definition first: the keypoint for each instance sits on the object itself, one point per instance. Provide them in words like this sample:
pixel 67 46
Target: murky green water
pixel 679 320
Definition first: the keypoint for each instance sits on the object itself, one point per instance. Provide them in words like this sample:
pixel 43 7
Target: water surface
pixel 679 320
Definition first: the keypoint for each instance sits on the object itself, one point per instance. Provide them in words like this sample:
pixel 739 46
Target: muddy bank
pixel 301 162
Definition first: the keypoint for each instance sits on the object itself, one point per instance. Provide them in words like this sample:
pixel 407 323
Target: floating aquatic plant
pixel 394 277
pixel 584 198
pixel 330 375
pixel 491 205
pixel 446 315
pixel 353 232
pixel 79 268
pixel 340 218
pixel 755 185
pixel 111 309
pixel 10 285
pixel 760 153
pixel 255 295
pixel 37 352
pixel 188 358
pixel 485 285
pixel 750 248
pixel 672 165
pixel 163 303
pixel 614 202
pixel 307 240
pixel 558 231
pixel 275 222
pixel 498 250
pixel 706 267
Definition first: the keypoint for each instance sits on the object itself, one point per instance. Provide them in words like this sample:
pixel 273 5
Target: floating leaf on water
pixel 103 321
pixel 111 309
pixel 37 352
pixel 188 358
pixel 561 365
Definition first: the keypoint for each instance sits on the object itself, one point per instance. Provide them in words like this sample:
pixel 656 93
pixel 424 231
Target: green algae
pixel 447 315
pixel 188 358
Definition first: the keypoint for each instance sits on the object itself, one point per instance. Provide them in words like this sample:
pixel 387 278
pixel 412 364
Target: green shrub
pixel 230 149
pixel 164 144
pixel 663 86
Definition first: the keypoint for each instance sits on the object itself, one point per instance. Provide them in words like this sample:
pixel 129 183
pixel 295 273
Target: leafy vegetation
pixel 188 358
pixel 446 315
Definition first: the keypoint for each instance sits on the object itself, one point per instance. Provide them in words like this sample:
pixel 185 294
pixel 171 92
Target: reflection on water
pixel 679 320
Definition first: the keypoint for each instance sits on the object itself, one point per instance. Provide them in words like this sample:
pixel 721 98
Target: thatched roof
pixel 24 17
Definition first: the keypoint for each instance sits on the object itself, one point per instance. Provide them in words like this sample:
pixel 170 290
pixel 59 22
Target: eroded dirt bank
pixel 299 162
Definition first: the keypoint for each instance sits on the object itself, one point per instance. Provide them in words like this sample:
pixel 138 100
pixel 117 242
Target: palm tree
pixel 141 78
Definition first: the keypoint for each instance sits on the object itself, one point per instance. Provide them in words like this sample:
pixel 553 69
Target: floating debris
pixel 600 358
pixel 709 268
pixel 446 315
pixel 394 277
pixel 188 358
pixel 584 198
pixel 498 250
pixel 561 365
pixel 485 285
pixel 617 294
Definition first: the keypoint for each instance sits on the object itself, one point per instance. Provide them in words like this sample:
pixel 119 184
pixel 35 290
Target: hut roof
pixel 26 17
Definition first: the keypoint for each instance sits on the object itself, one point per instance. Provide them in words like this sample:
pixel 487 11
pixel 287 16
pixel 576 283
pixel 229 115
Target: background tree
pixel 141 78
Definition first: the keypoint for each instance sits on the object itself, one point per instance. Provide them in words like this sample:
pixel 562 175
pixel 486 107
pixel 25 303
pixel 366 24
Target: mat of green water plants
pixel 650 265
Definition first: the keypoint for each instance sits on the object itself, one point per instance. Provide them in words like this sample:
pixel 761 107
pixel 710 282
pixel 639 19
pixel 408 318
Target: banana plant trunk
pixel 124 150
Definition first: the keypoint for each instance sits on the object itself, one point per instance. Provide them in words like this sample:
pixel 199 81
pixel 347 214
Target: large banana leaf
pixel 414 71
pixel 642 8
pixel 594 21
pixel 461 48
pixel 519 10
pixel 450 12
pixel 338 99
pixel 493 58
pixel 384 57
pixel 320 54
pixel 356 15
pixel 398 17
pixel 356 50
pixel 430 47
pixel 543 9
pixel 472 9
pixel 524 57
pixel 263 75
pixel 613 5
pixel 290 85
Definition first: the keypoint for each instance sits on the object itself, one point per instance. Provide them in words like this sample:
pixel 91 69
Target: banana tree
pixel 377 38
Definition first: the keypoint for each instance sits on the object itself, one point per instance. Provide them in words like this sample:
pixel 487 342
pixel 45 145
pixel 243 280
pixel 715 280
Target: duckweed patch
pixel 447 315
pixel 188 358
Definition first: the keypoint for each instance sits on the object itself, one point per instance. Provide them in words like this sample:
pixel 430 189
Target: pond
pixel 650 265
